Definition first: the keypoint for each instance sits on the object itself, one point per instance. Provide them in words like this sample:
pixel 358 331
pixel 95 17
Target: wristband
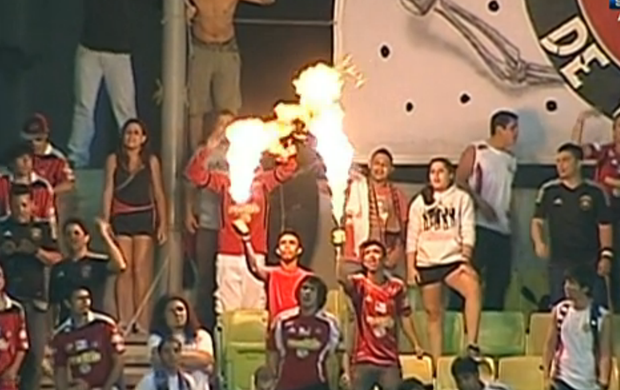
pixel 606 253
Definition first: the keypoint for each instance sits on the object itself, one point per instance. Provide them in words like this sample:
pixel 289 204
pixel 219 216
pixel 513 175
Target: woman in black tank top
pixel 135 205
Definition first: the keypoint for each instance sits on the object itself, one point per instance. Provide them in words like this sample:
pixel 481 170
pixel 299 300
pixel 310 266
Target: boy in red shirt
pixel 380 303
pixel 282 280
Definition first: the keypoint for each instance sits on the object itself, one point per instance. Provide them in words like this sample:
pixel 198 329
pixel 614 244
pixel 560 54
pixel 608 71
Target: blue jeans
pixel 557 275
pixel 90 68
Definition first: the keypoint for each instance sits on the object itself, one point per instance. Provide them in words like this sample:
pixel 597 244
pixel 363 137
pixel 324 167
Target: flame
pixel 244 157
pixel 319 89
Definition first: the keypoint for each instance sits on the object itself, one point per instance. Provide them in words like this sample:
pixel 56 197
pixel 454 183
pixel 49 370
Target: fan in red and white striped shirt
pixel 21 171
pixel 49 162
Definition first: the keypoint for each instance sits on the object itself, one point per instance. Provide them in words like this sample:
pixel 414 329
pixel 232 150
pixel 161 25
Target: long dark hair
pixel 158 321
pixel 145 150
pixel 428 193
pixel 321 290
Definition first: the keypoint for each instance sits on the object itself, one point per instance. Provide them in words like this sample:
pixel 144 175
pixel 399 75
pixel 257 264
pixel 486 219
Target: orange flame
pixel 319 89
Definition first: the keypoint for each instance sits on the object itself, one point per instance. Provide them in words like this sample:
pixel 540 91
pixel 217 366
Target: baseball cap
pixel 36 126
pixel 463 365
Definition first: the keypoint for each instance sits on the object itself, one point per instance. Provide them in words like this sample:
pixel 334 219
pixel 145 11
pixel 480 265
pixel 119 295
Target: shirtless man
pixel 215 65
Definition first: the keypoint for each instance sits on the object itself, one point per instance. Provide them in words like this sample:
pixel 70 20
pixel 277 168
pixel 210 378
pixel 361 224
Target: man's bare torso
pixel 213 22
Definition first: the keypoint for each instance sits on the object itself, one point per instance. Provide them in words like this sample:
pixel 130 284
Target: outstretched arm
pixel 251 260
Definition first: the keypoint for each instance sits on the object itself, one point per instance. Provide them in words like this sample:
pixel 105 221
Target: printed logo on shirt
pixel 439 218
pixel 36 234
pixel 557 202
pixel 585 202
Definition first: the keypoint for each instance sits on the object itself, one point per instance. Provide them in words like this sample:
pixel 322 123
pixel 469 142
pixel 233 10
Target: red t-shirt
pixel 88 351
pixel 281 286
pixel 13 337
pixel 42 196
pixel 303 345
pixel 53 166
pixel 377 308
pixel 198 174
pixel 607 164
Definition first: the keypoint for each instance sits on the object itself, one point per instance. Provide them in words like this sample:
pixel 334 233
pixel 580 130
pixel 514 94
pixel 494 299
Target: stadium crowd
pixel 455 233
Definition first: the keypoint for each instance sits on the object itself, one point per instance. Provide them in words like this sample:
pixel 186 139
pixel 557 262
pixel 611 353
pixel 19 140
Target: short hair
pixel 17 151
pixel 414 384
pixel 464 365
pixel 321 289
pixel 289 232
pixel 78 222
pixel 371 242
pixel 502 118
pixel 166 340
pixel 385 151
pixel 20 190
pixel 582 274
pixel 572 148
pixel 75 287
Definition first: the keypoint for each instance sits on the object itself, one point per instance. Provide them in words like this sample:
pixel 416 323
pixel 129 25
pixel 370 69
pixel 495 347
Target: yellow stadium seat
pixel 502 333
pixel 333 303
pixel 537 334
pixel 413 367
pixel 616 335
pixel 243 335
pixel 521 372
pixel 452 333
pixel 614 383
pixel 444 374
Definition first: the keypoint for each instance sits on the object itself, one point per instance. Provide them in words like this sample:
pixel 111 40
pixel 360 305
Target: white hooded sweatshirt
pixel 438 232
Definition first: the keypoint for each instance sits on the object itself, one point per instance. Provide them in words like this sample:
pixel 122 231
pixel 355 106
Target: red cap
pixel 36 125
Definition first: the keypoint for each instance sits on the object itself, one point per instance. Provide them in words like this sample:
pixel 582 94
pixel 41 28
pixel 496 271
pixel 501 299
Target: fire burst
pixel 319 89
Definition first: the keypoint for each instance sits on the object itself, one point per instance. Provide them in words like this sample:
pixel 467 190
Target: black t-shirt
pixel 573 216
pixel 25 273
pixel 91 271
pixel 106 26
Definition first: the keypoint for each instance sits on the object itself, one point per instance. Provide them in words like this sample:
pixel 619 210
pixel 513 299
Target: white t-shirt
pixel 492 178
pixel 203 342
pixel 438 232
pixel 574 362
pixel 148 382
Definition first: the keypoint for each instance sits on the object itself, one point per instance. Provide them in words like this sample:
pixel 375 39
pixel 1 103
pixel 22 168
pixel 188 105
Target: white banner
pixel 437 69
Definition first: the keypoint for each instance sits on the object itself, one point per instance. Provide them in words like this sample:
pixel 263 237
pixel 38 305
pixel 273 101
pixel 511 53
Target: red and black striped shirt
pixel 53 166
pixel 42 196
pixel 13 335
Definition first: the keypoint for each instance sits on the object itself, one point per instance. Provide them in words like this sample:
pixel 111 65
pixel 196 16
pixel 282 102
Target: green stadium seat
pixel 537 334
pixel 452 333
pixel 444 380
pixel 243 334
pixel 521 372
pixel 413 367
pixel 502 333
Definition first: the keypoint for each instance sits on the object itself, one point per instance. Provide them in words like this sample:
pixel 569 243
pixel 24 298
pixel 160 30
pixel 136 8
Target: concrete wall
pixel 527 269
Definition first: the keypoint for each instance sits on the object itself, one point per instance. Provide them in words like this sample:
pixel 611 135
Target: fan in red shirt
pixel 380 302
pixel 237 288
pixel 13 338
pixel 281 281
pixel 87 347
pixel 303 338
pixel 21 171
pixel 49 162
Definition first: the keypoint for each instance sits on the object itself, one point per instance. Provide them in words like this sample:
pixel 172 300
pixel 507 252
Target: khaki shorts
pixel 214 77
